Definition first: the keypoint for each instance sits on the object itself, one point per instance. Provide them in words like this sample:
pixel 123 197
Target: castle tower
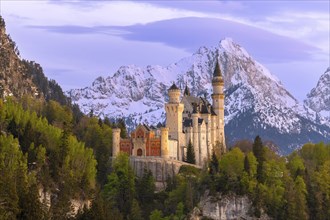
pixel 218 105
pixel 164 143
pixel 115 141
pixel 174 110
pixel 196 140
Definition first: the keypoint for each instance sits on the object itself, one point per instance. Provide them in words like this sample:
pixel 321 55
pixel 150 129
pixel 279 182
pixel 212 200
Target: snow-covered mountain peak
pixel 229 46
pixel 256 100
pixel 319 98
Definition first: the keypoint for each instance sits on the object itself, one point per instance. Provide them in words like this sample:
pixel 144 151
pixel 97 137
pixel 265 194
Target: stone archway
pixel 139 152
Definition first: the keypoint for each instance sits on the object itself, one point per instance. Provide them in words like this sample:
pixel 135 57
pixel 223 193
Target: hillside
pixel 20 77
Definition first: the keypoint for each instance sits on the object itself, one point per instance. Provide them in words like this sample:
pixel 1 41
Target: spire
pixel 186 91
pixel 217 75
pixel 173 87
pixel 217 71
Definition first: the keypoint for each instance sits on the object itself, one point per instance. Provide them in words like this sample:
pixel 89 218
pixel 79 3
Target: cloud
pixel 75 29
pixel 92 12
pixel 191 33
pixel 307 21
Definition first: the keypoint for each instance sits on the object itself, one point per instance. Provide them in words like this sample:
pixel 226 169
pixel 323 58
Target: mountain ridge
pixel 139 94
pixel 19 77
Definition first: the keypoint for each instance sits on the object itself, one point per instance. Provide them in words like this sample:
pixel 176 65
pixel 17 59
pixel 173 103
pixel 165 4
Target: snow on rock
pixel 319 99
pixel 254 96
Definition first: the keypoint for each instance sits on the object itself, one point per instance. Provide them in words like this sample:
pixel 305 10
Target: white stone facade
pixel 188 119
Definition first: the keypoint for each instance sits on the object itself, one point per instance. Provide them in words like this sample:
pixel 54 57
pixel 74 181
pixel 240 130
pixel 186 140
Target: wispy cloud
pixel 92 13
pixel 306 21
pixel 190 33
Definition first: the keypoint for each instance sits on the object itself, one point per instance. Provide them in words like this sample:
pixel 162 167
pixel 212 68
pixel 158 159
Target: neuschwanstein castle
pixel 189 119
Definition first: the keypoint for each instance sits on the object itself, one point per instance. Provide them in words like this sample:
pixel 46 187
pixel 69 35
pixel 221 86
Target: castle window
pixel 139 152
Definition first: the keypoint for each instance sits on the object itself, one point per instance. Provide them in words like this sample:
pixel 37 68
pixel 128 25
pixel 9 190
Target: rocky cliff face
pixel 20 77
pixel 319 99
pixel 13 78
pixel 224 207
pixel 256 101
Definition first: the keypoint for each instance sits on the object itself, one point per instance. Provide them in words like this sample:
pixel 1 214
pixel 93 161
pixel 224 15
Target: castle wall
pixel 195 140
pixel 161 168
pixel 202 144
pixel 173 146
pixel 126 146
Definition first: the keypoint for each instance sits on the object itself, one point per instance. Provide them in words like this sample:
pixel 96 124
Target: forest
pixel 46 147
pixel 52 155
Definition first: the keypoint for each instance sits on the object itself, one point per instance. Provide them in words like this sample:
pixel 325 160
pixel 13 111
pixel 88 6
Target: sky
pixel 75 41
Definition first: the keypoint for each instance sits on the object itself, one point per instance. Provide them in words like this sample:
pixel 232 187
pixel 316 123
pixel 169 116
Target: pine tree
pixel 123 131
pixel 190 154
pixel 246 164
pixel 136 213
pixel 214 165
pixel 258 151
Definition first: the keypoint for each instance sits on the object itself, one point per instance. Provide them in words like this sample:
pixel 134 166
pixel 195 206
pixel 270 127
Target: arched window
pixel 139 152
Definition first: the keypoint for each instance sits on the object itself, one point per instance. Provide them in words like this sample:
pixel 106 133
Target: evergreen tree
pixel 136 213
pixel 258 151
pixel 214 165
pixel 157 215
pixel 246 164
pixel 190 154
pixel 121 124
pixel 146 188
pixel 119 190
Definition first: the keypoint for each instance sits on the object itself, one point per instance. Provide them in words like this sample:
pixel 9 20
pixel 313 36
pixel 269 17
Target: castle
pixel 193 119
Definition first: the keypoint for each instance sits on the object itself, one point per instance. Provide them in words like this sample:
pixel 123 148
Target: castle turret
pixel 174 110
pixel 186 91
pixel 218 104
pixel 174 94
pixel 195 140
pixel 164 143
pixel 115 141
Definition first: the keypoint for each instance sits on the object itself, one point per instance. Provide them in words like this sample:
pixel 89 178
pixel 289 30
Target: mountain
pixel 256 101
pixel 20 77
pixel 319 99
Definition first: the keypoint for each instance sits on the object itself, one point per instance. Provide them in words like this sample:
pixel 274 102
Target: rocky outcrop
pixel 319 99
pixel 13 78
pixel 224 207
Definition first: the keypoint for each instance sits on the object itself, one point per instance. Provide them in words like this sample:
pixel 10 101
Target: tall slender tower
pixel 174 110
pixel 218 98
pixel 115 141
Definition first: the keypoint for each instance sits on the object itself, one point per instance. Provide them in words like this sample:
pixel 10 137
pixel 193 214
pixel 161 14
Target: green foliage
pixel 120 188
pixel 179 213
pixel 12 167
pixel 145 192
pixel 190 154
pixel 38 155
pixel 214 165
pixel 136 213
pixel 231 170
pixel 54 159
pixel 187 170
pixel 259 153
pixel 49 88
pixel 18 192
pixel 296 165
pixel 99 138
pixel 100 210
pixel 157 215
pixel 121 124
